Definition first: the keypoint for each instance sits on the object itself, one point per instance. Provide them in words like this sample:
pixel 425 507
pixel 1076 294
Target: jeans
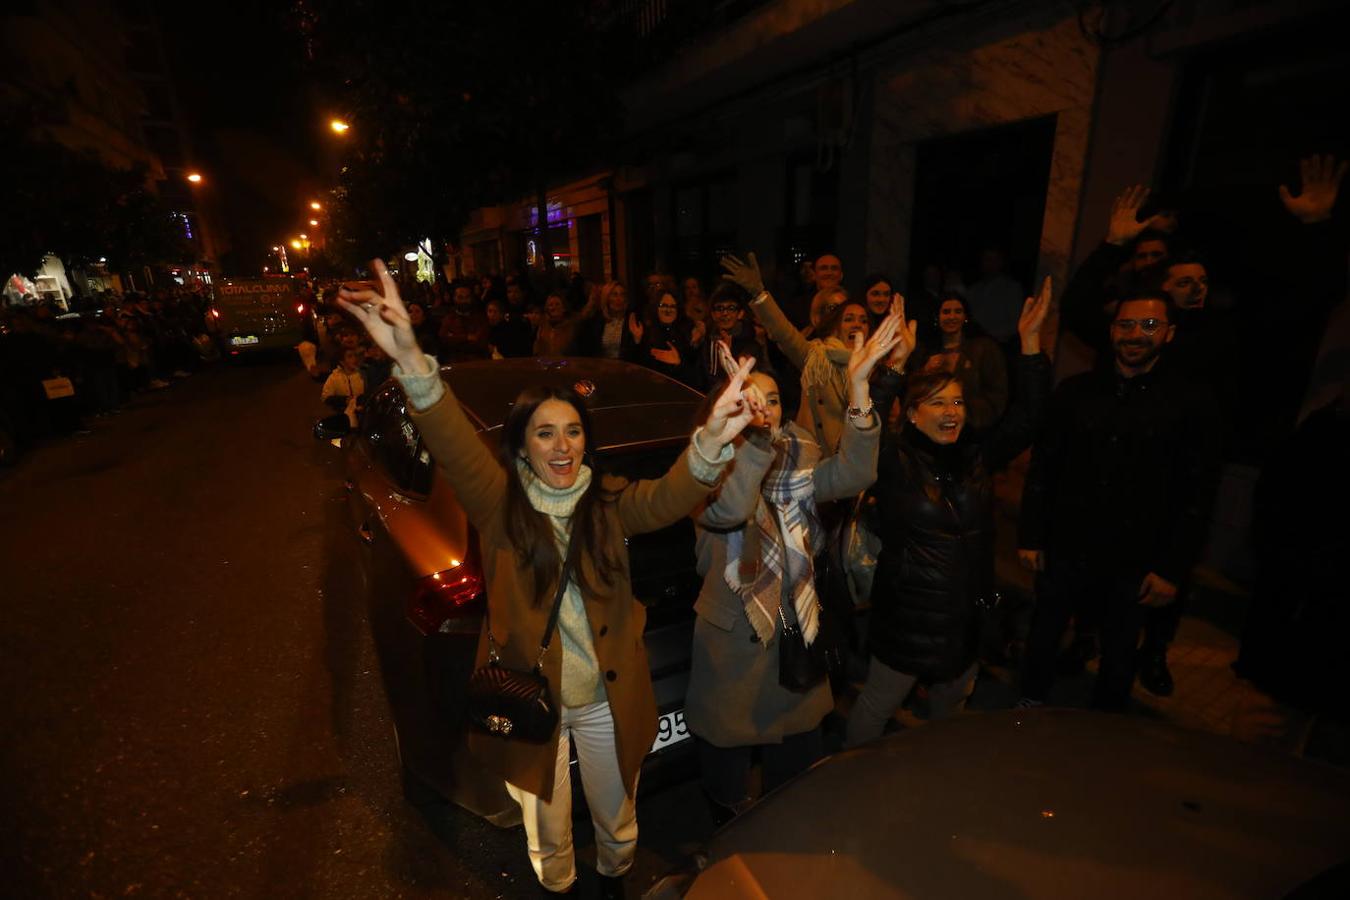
pixel 1112 599
pixel 548 826
pixel 725 771
pixel 886 689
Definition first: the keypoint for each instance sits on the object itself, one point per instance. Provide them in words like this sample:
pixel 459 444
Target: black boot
pixel 611 886
pixel 572 891
pixel 1154 675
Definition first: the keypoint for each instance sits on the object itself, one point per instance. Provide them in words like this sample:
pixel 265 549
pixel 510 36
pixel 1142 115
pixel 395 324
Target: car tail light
pixel 451 593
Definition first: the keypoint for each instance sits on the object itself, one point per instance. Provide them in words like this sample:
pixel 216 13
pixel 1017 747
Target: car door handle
pixel 365 532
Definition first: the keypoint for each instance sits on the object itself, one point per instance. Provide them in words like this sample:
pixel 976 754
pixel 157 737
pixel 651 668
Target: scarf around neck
pixel 557 503
pixel 825 362
pixel 777 557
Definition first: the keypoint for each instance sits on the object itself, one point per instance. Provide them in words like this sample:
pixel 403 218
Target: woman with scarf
pixel 823 361
pixel 935 571
pixel 540 511
pixel 758 536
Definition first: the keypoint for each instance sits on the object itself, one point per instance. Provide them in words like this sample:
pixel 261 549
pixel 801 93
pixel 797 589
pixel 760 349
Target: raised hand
pixel 697 333
pixel 1155 590
pixel 1124 225
pixel 1321 178
pixel 1034 311
pixel 908 332
pixel 635 328
pixel 867 354
pixel 385 318
pixel 744 273
pixel 734 409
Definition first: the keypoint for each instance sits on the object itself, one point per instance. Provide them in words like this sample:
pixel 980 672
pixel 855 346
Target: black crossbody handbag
pixel 514 704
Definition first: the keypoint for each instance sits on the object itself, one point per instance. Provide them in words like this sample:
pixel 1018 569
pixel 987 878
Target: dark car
pixel 1040 804
pixel 422 578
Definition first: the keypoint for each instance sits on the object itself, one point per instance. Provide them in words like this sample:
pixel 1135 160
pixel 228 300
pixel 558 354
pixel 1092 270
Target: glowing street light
pixel 338 126
pixel 314 205
pixel 314 221
pixel 304 237
pixel 276 249
pixel 295 244
pixel 195 177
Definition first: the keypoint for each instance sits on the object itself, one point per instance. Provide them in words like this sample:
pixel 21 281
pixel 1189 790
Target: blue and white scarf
pixel 789 536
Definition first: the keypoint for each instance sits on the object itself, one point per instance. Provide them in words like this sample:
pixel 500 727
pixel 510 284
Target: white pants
pixel 548 826
pixel 886 689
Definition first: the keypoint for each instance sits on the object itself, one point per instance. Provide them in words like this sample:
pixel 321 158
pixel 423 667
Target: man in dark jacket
pixel 1117 498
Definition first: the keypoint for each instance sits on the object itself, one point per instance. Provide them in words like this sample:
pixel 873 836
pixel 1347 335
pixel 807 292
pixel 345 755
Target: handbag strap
pixel 563 579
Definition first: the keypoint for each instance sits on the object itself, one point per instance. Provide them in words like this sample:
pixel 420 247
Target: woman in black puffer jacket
pixel 935 506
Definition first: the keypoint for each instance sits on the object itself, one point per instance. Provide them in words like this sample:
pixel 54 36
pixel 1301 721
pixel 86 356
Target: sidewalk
pixel 1209 696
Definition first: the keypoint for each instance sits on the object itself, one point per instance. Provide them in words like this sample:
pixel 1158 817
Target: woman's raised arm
pixel 453 441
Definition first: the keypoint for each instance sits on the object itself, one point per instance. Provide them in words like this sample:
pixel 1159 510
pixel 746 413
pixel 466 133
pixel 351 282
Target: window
pixel 705 224
pixel 394 443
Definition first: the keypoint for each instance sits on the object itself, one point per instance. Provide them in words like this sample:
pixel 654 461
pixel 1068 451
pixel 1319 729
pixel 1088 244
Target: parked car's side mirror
pixel 332 428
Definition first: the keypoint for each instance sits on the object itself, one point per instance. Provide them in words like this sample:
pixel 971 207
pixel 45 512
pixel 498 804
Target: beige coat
pixel 616 618
pixel 823 408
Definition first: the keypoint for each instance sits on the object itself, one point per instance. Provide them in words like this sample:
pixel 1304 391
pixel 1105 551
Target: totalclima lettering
pixel 232 289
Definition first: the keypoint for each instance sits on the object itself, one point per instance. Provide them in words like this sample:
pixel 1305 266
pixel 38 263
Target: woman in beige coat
pixel 525 502
pixel 822 360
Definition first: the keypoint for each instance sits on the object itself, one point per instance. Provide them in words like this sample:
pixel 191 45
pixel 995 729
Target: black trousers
pixel 725 771
pixel 1109 598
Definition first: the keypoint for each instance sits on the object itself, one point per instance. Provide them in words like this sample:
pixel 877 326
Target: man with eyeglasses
pixel 1116 504
pixel 726 324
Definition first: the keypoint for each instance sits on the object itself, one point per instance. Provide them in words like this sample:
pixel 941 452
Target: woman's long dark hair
pixel 529 530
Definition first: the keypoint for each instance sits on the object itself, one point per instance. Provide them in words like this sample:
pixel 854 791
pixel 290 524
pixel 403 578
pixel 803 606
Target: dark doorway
pixel 591 247
pixel 979 190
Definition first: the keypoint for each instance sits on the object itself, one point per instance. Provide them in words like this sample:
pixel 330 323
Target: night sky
pixel 257 123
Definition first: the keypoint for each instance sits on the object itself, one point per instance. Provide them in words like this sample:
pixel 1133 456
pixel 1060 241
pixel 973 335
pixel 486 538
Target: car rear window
pixel 662 563
pixel 395 444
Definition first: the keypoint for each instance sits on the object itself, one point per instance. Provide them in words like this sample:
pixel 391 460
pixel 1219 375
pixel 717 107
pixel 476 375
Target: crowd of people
pixel 815 404
pixel 60 370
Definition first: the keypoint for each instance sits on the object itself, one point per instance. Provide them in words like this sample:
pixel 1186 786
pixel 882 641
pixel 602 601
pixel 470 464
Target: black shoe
pixel 611 886
pixel 1154 675
pixel 572 891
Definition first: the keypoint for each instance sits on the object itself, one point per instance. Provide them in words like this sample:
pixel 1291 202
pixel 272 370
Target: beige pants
pixel 548 826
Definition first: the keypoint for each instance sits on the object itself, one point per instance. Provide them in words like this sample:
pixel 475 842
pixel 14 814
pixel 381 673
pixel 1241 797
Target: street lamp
pixel 338 126
pixel 314 221
pixel 295 245
pixel 314 205
pixel 195 177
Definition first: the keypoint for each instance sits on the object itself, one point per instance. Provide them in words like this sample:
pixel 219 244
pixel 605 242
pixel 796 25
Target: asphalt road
pixel 185 710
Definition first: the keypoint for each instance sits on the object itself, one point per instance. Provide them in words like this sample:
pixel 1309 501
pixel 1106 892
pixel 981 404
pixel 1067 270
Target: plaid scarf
pixel 775 554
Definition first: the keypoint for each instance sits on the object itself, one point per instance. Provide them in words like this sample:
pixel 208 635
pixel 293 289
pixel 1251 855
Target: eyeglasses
pixel 667 306
pixel 1147 326
pixel 726 308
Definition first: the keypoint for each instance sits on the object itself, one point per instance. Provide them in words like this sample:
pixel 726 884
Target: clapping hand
pixel 744 273
pixel 1034 311
pixel 670 356
pixel 635 328
pixel 908 332
pixel 1321 182
pixel 385 318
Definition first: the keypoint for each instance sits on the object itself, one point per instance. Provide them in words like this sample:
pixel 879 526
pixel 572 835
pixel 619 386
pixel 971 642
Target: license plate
pixel 242 339
pixel 671 729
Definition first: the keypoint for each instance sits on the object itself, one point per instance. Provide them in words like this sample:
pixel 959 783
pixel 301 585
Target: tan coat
pixel 616 618
pixel 824 408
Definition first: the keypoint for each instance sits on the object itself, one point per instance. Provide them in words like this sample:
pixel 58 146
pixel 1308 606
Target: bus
pixel 257 314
